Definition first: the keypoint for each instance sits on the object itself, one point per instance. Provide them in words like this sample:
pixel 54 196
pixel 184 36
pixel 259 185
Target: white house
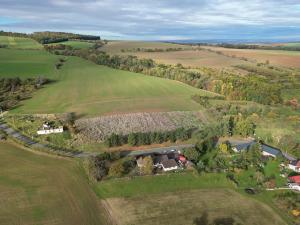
pixel 294 165
pixel 169 165
pixel 166 163
pixel 294 186
pixel 51 130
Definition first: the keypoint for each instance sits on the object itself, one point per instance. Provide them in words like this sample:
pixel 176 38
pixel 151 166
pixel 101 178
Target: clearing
pixel 37 189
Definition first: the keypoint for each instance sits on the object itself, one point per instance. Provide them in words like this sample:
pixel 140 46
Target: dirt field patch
pixel 192 58
pixel 280 58
pixel 96 129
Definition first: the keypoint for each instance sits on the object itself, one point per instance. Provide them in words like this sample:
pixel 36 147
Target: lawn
pixel 40 190
pixel 86 88
pixel 140 186
pixel 20 43
pixel 186 206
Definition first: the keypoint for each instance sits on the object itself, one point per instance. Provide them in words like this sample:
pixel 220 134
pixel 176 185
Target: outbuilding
pixel 294 165
pixel 270 151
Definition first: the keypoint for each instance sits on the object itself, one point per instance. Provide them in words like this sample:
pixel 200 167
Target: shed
pixel 268 150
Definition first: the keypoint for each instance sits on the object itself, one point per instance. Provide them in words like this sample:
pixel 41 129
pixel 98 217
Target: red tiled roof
pixel 295 179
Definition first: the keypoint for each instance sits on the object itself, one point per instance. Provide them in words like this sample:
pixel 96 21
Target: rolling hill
pixel 85 88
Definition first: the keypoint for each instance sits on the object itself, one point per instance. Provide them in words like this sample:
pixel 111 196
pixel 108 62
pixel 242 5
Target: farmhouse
pixel 166 162
pixel 294 165
pixel 294 182
pixel 47 128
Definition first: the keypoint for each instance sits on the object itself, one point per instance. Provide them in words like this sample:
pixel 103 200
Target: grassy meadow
pixel 86 88
pixel 140 186
pixel 37 190
pixel 19 43
pixel 187 206
pixel 76 44
pixel 27 63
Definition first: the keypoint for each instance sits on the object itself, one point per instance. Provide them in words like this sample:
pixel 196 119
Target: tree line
pixel 262 47
pixel 48 37
pixel 138 139
pixel 13 90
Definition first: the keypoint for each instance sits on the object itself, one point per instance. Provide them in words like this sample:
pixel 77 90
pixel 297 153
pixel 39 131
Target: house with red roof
pixel 295 179
pixel 294 182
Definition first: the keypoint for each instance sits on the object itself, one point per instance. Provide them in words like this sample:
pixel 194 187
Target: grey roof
pixel 270 150
pixel 294 162
pixel 243 146
pixel 169 163
pixel 158 159
pixel 289 157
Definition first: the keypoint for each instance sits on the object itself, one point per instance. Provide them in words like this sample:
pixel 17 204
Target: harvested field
pixel 98 128
pixel 115 47
pixel 276 57
pixel 185 207
pixel 192 58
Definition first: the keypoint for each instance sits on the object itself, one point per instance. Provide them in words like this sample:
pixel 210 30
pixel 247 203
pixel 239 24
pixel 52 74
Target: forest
pixel 47 37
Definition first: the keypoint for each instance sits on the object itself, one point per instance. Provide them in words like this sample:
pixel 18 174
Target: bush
pixel 116 169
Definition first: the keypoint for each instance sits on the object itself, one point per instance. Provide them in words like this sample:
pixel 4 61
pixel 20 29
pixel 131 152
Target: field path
pixel 79 154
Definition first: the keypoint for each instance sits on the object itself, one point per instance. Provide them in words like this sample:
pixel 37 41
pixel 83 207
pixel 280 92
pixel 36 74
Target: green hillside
pixel 86 88
pixel 19 43
pixel 76 44
pixel 42 190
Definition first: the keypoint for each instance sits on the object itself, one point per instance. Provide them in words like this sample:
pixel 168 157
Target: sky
pixel 157 19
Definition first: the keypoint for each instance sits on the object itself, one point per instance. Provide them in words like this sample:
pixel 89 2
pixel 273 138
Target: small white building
pixel 294 186
pixel 51 130
pixel 294 165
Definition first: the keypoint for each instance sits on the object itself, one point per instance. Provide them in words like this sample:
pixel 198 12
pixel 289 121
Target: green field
pixel 76 44
pixel 139 186
pixel 41 190
pixel 185 207
pixel 86 88
pixel 27 63
pixel 19 43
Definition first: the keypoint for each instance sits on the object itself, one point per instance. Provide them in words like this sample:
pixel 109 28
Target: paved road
pixel 33 144
pixel 80 154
